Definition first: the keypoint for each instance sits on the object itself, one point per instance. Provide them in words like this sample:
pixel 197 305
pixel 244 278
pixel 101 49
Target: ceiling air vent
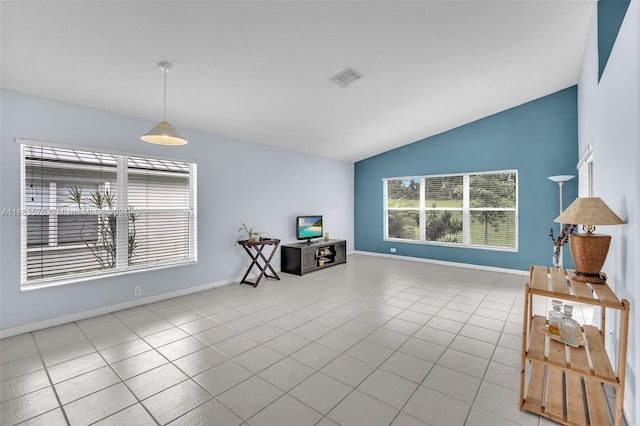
pixel 346 77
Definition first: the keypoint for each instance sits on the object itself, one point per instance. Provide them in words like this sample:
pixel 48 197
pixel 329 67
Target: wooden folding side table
pixel 258 258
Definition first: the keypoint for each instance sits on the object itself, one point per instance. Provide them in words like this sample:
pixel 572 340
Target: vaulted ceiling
pixel 260 70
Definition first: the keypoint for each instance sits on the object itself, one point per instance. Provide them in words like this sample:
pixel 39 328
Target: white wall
pixel 238 181
pixel 609 119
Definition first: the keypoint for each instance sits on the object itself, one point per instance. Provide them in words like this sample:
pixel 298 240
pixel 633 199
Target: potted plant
pixel 251 235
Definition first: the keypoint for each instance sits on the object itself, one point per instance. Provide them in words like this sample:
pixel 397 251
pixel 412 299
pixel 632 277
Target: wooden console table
pixel 258 258
pixel 300 258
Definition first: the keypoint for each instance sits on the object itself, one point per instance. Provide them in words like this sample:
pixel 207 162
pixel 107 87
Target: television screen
pixel 308 227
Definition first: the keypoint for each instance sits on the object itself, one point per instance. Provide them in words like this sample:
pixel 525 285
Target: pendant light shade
pixel 164 133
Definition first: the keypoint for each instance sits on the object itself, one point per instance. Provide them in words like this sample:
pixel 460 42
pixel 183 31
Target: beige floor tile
pixel 75 367
pixel 50 418
pixel 361 409
pixel 286 411
pixel 67 353
pixel 452 383
pixel 348 370
pixel 17 347
pixel 437 409
pixel 264 332
pixel 387 338
pixel 503 375
pixel 315 355
pixel 134 415
pixel 503 402
pixel 311 330
pixel 200 361
pixel 138 364
pixel 388 388
pixel 321 392
pixel 86 384
pixel 204 414
pixel 222 377
pixel 435 335
pixel 22 385
pixel 176 401
pixel 105 341
pixel 464 363
pixel 153 381
pixel 152 327
pixel 234 346
pixel 403 419
pixel 287 343
pixel 286 374
pixel 481 333
pixel 422 349
pixel 369 352
pixel 99 405
pixel 258 358
pixel 215 335
pixel 407 366
pixel 125 350
pixel 250 396
pixel 180 348
pixel 165 337
pixel 18 367
pixel 27 406
pixel 198 325
pixel 473 347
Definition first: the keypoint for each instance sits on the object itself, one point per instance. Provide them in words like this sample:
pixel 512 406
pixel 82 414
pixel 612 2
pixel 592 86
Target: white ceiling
pixel 260 70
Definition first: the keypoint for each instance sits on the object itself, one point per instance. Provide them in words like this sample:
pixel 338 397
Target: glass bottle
pixel 555 316
pixel 569 328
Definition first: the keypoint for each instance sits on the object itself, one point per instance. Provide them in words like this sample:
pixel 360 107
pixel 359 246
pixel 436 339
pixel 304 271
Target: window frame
pixel 122 171
pixel 466 210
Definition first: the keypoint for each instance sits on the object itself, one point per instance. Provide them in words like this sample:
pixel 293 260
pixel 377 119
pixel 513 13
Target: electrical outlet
pixel 393 249
pixel 137 290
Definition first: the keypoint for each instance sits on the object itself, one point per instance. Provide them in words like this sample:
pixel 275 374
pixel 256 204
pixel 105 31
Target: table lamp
pixel 589 250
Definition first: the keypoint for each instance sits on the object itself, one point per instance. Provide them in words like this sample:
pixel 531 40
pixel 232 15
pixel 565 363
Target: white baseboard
pixel 39 325
pixel 446 263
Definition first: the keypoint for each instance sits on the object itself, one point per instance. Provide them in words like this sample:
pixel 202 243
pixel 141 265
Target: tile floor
pixel 374 342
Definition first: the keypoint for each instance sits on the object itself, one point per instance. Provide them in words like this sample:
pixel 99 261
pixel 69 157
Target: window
pixel 478 210
pixel 87 214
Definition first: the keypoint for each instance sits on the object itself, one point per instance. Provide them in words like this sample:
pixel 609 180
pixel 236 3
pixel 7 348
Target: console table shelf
pixel 566 383
pixel 300 258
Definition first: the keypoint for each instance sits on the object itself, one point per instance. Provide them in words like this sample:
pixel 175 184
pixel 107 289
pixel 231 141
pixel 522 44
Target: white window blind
pixel 88 214
pixel 472 209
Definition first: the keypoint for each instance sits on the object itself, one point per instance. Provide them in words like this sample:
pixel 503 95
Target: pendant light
pixel 164 133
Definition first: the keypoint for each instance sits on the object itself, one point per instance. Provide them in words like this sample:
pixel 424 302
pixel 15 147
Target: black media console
pixel 300 258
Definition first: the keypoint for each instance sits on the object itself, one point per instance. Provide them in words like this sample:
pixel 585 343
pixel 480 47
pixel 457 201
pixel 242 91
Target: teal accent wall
pixel 539 139
pixel 610 16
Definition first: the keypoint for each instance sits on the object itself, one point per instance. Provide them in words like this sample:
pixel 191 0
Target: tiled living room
pixel 431 137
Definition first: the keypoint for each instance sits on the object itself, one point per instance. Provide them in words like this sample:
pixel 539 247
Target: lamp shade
pixel 163 134
pixel 561 178
pixel 589 211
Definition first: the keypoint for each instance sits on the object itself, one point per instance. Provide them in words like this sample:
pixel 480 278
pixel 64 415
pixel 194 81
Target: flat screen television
pixel 308 227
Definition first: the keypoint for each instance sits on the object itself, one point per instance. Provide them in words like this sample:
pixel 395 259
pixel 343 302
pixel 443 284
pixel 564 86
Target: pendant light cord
pixel 165 94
